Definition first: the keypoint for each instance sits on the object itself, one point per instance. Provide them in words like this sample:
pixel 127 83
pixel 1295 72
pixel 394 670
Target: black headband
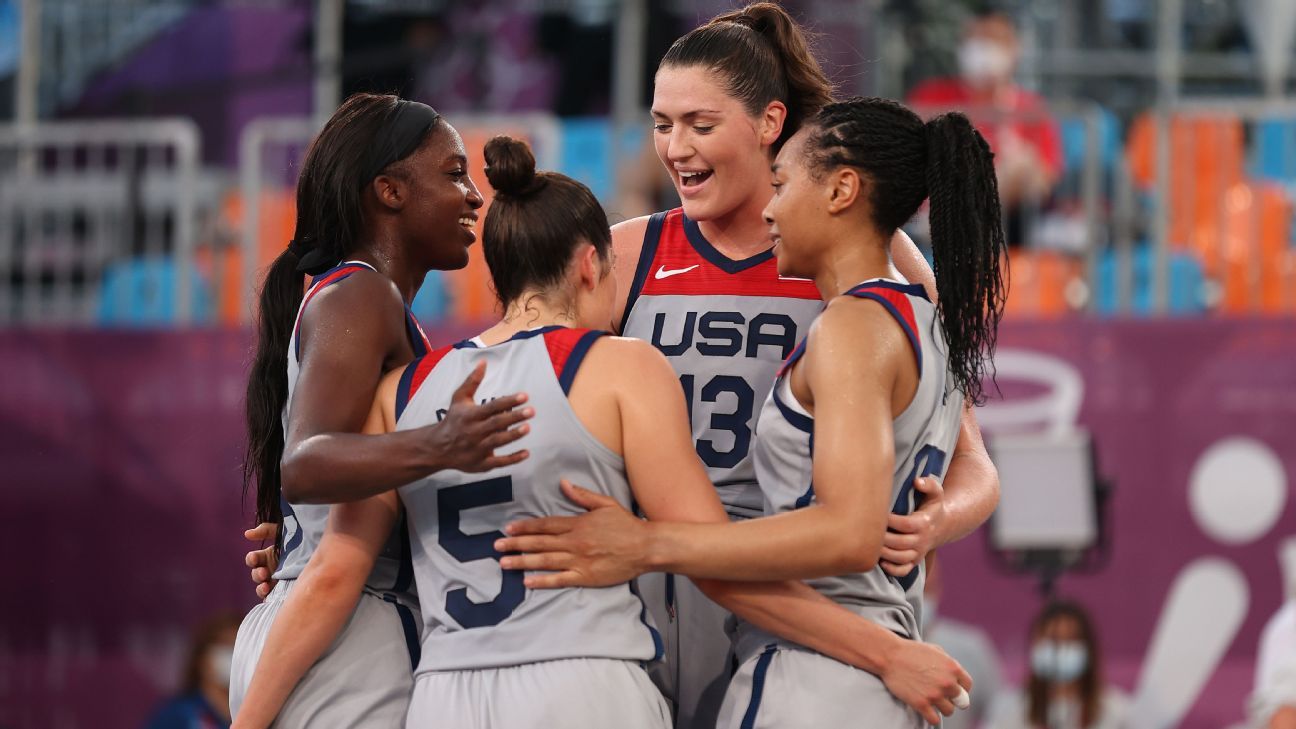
pixel 400 136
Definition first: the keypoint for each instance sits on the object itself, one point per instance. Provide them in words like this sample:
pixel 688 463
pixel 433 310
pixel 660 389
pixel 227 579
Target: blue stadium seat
pixel 141 292
pixel 1073 140
pixel 1186 280
pixel 432 304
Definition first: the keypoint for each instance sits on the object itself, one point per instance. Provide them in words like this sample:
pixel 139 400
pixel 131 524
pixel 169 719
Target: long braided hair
pixel 905 161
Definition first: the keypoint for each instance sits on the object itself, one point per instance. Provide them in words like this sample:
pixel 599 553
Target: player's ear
pixel 590 267
pixel 844 187
pixel 391 191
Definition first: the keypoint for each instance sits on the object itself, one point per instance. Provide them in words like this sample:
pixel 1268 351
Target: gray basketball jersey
pixel 476 615
pixel 725 326
pixel 304 524
pixel 925 433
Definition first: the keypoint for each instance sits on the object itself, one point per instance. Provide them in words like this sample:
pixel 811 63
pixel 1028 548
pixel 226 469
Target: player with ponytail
pixel 383 197
pixel 699 282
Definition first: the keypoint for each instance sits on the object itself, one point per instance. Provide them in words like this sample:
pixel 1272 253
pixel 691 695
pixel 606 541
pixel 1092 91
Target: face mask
pixel 983 62
pixel 220 660
pixel 1059 662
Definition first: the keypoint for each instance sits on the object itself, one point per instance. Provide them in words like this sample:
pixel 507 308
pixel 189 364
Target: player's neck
pixel 529 311
pixel 740 234
pixel 389 259
pixel 851 262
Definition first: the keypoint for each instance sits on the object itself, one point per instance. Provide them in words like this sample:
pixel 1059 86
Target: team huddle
pixel 531 527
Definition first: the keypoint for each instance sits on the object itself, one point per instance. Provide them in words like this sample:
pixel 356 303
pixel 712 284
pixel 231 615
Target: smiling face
pixel 441 212
pixel 716 153
pixel 798 211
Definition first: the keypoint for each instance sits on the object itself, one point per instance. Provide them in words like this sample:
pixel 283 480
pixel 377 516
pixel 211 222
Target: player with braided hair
pixel 870 399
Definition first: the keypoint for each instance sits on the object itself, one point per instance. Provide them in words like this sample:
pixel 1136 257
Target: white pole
pixel 1169 26
pixel 632 24
pixel 328 58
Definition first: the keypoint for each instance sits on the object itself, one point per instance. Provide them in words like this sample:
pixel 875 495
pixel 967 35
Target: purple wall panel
pixel 120 514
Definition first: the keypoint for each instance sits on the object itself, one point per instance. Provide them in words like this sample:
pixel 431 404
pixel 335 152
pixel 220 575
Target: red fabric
pixel 560 343
pixel 423 367
pixel 1040 130
pixel 675 254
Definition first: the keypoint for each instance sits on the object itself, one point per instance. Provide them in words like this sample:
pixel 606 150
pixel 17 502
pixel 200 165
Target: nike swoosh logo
pixel 663 273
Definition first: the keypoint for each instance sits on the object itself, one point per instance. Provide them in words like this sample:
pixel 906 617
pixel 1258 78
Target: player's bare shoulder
pixel 629 363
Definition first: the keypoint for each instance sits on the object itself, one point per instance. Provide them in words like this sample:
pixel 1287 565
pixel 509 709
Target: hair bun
pixel 510 166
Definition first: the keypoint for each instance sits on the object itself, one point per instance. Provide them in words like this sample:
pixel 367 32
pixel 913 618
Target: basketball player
pixel 383 197
pixel 702 287
pixel 869 400
pixel 608 409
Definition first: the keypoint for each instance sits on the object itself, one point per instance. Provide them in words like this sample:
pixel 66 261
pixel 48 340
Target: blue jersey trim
pixel 758 685
pixel 574 359
pixel 895 314
pixel 715 257
pixel 403 387
pixel 405 571
pixel 803 423
pixel 911 289
pixel 659 648
pixel 415 335
pixel 652 237
pixel 410 628
pixel 804 500
pixel 286 510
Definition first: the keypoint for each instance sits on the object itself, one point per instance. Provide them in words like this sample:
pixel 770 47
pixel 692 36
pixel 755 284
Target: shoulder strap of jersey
pixel 567 349
pixel 894 297
pixel 415 374
pixel 652 237
pixel 418 338
pixel 319 283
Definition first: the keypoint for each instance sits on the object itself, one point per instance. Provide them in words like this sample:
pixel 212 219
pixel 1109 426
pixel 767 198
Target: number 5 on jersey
pixel 451 502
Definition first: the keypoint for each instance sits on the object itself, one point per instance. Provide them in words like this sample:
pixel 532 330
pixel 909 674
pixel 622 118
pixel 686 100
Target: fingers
pixel 542 525
pixel 503 405
pixel 944 706
pixel 504 437
pixel 965 680
pixel 900 556
pixel 900 542
pixel 907 525
pixel 529 543
pixel 543 562
pixel 261 575
pixel 963 700
pixel 586 498
pixel 263 590
pixel 468 389
pixel 261 532
pixel 554 580
pixel 929 485
pixel 929 714
pixel 506 460
pixel 898 570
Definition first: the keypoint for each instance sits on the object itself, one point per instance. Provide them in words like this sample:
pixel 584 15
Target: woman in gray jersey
pixel 494 653
pixel 382 198
pixel 726 97
pixel 870 399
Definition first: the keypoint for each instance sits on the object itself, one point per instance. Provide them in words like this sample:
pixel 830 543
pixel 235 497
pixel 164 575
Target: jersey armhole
pixel 416 372
pixel 567 350
pixel 648 253
pixel 897 304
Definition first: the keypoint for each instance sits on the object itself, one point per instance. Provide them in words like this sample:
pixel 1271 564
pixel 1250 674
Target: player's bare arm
pixel 322 600
pixel 970 492
pixel 627 243
pixel 352 340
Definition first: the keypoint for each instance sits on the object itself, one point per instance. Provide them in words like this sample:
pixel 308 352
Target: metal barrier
pixel 271 150
pixel 79 201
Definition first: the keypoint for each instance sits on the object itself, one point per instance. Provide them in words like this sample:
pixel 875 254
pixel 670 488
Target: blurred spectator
pixel 969 645
pixel 202 701
pixel 1017 124
pixel 1065 689
pixel 1273 704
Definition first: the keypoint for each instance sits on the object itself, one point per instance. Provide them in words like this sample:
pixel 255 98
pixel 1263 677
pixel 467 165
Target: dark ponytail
pixel 536 221
pixel 762 55
pixel 906 161
pixel 367 134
